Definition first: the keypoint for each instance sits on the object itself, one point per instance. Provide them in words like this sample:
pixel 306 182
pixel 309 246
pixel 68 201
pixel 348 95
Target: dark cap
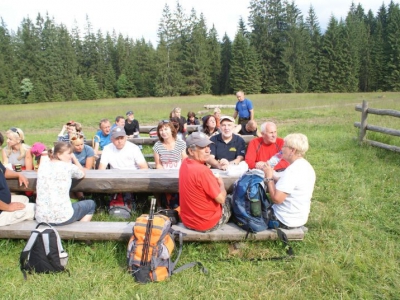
pixel 129 112
pixel 198 139
pixel 117 131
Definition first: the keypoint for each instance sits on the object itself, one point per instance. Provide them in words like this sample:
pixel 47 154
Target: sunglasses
pixel 13 129
pixel 164 121
pixel 77 137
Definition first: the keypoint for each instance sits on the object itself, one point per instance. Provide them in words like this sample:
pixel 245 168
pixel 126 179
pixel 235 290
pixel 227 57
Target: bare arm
pixel 222 195
pixel 78 164
pixel 235 114
pixel 4 157
pixel 13 206
pixel 89 163
pixel 9 174
pixel 221 164
pixel 96 148
pixel 28 160
pixel 251 114
pixel 143 165
pixel 157 160
pixel 276 196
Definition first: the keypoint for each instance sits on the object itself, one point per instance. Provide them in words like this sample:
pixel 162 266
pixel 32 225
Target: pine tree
pixel 314 32
pixel 244 69
pixel 226 56
pixel 267 23
pixel 393 38
pixel 215 61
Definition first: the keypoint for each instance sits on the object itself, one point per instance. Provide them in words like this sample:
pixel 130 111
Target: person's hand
pixel 13 206
pixel 64 127
pixel 23 180
pixel 268 171
pixel 223 164
pixel 260 165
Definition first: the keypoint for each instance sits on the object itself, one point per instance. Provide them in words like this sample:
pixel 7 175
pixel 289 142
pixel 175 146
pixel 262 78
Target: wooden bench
pixel 118 181
pixel 122 231
pixel 208 106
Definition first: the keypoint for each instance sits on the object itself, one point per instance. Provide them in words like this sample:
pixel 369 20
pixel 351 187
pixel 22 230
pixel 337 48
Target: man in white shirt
pixel 120 154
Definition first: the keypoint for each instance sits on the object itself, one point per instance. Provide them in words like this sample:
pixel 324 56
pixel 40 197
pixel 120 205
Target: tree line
pixel 277 51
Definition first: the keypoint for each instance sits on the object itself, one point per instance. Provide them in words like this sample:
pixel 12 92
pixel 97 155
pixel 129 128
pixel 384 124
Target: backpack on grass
pixel 43 252
pixel 251 208
pixel 150 249
pixel 120 206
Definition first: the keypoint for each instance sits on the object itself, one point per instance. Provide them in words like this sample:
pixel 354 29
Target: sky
pixel 140 18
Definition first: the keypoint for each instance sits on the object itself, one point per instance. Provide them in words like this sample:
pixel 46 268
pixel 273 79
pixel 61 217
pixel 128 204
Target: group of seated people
pixel 202 195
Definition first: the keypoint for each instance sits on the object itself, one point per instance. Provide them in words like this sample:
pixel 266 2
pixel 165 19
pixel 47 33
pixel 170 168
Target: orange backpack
pixel 158 266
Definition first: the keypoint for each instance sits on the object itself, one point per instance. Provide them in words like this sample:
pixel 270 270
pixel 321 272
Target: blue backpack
pixel 251 207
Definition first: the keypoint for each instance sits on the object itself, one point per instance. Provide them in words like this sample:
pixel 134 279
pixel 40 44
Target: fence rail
pixel 363 125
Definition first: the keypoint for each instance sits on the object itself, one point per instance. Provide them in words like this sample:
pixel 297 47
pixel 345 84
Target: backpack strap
pixel 188 265
pixel 27 251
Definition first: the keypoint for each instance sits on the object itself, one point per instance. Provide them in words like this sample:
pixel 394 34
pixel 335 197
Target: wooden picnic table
pixel 152 141
pixel 116 181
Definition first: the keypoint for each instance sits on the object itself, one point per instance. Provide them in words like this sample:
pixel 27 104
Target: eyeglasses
pixel 164 121
pixel 13 129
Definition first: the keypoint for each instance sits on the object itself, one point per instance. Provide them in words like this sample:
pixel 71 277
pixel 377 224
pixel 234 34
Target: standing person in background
pixel 13 208
pixel 131 125
pixel 17 152
pixel 217 115
pixel 244 109
pixel 54 178
pixel 72 129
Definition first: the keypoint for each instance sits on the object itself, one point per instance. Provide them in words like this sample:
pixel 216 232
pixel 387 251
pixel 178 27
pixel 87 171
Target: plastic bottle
pixel 274 160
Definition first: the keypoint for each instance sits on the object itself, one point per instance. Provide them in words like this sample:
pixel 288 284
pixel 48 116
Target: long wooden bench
pixel 152 141
pixel 116 181
pixel 122 231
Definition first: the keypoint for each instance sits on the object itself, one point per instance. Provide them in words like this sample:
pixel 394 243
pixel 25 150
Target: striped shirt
pixel 170 159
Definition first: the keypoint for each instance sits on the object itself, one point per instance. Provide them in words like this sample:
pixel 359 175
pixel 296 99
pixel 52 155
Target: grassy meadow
pixel 351 249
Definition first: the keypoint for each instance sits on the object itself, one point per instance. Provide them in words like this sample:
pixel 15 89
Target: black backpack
pixel 43 252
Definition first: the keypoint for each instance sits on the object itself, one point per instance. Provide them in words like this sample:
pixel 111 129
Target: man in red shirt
pixel 260 150
pixel 202 195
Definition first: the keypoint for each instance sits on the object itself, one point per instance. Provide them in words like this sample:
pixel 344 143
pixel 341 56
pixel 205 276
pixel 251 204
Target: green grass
pixel 351 249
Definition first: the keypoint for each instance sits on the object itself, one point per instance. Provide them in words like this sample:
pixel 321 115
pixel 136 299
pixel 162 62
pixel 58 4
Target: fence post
pixel 364 115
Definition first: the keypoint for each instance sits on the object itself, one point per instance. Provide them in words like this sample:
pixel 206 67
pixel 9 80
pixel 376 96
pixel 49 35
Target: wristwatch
pixel 268 180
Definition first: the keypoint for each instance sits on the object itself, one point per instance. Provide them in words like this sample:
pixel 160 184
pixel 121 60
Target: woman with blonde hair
pixel 17 152
pixel 291 193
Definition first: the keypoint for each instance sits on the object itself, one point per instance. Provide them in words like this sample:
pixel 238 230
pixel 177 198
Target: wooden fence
pixel 363 125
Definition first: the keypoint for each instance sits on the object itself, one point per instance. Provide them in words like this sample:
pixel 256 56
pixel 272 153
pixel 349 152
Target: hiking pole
pixel 149 228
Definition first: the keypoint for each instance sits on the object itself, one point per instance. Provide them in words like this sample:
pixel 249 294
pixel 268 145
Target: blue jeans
pixel 81 209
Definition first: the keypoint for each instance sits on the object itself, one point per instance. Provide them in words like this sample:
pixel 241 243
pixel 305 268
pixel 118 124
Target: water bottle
pixel 274 160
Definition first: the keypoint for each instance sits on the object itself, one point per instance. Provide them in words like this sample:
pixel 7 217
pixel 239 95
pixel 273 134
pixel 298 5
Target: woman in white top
pixel 169 152
pixel 292 192
pixel 54 178
pixel 16 151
